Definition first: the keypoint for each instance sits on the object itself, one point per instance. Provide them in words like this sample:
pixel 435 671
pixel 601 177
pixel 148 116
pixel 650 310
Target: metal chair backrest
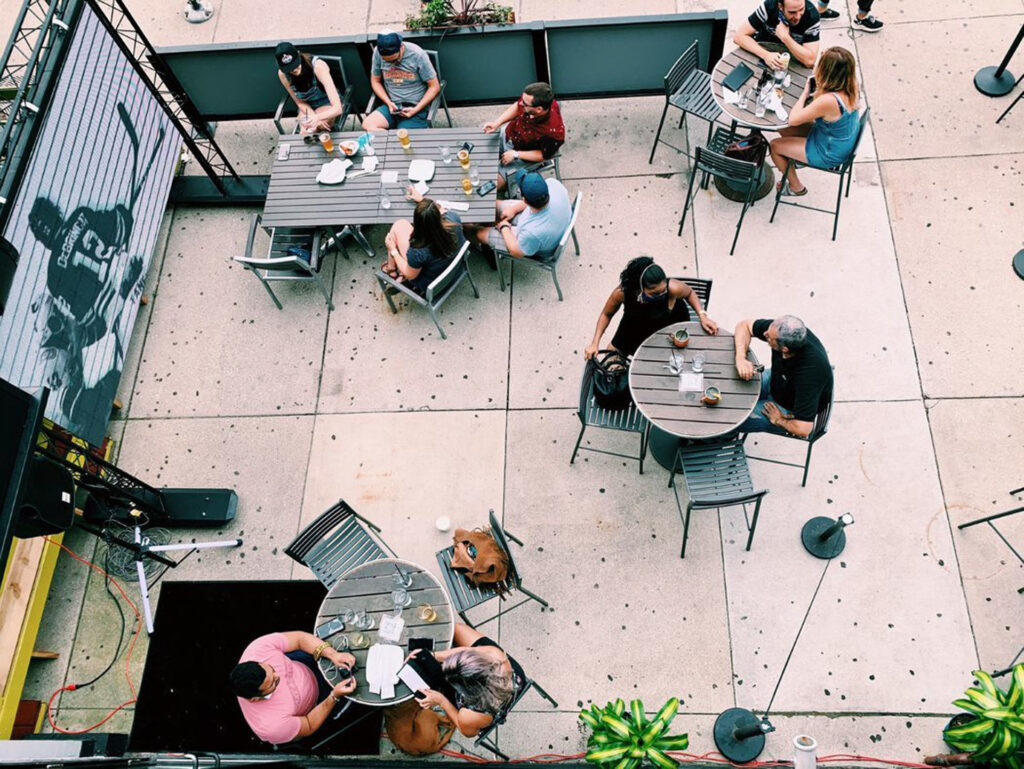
pixel 701 287
pixel 722 476
pixel 862 124
pixel 564 240
pixel 334 64
pixel 684 66
pixel 335 543
pixel 716 164
pixel 586 388
pixel 821 419
pixel 435 62
pixel 499 536
pixel 447 280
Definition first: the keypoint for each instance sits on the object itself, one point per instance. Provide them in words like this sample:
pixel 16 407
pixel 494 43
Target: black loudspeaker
pixel 47 500
pixel 8 265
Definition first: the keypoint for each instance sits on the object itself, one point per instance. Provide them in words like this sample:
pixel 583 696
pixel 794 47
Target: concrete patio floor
pixel 915 301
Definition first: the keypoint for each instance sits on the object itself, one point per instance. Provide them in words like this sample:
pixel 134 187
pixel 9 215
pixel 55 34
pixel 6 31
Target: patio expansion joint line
pixel 917 364
pixel 728 619
pixel 959 156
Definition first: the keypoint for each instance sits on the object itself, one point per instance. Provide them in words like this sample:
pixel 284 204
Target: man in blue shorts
pixel 404 81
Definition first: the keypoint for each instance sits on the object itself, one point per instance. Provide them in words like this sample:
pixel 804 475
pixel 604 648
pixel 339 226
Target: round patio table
pixel 746 117
pixel 368 587
pixel 675 415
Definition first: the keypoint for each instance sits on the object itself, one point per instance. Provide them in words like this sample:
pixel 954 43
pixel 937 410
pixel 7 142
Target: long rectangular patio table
pixel 295 199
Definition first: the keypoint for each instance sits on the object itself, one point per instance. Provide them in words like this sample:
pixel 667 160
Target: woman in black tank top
pixel 308 81
pixel 650 301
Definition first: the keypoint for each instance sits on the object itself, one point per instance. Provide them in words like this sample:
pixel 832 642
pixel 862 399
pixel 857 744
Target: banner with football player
pixel 85 221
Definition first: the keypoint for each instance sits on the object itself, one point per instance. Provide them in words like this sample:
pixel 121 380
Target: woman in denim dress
pixel 308 81
pixel 823 131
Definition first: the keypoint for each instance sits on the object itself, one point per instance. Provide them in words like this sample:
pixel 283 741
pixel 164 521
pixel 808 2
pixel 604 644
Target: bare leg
pixel 794 147
pixel 502 184
pixel 375 122
pixel 399 234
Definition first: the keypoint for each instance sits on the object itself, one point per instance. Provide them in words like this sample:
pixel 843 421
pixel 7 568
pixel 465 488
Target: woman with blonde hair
pixel 822 131
pixel 485 680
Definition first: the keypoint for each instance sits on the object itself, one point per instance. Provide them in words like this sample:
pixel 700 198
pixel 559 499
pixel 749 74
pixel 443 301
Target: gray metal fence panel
pixel 625 56
pixel 235 81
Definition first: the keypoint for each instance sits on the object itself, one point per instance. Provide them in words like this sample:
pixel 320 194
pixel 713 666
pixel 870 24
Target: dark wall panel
pixel 622 55
pixel 85 221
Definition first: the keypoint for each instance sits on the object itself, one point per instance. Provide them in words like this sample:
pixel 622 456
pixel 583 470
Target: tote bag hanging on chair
pixel 611 380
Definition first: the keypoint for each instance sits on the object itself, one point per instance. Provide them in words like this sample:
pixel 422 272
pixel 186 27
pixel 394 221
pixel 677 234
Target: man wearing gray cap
pixel 404 81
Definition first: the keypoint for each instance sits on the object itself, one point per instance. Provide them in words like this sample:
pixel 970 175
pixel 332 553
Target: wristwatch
pixel 515 154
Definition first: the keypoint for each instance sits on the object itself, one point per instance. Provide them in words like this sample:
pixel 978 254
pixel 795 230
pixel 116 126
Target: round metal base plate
pixel 737 751
pixel 765 186
pixel 1018 264
pixel 825 549
pixel 985 80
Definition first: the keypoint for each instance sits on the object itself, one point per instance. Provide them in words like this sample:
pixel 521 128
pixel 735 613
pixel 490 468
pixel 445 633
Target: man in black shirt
pixel 798 383
pixel 793 23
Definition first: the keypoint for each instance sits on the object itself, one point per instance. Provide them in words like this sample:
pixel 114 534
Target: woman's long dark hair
pixel 304 80
pixel 629 279
pixel 431 230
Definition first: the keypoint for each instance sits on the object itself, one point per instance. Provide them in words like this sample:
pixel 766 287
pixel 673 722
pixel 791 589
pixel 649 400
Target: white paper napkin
pixel 453 205
pixel 731 97
pixel 370 163
pixel 421 187
pixel 389 177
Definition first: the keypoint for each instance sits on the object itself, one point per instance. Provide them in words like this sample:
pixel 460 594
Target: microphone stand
pixel 739 734
pixel 996 81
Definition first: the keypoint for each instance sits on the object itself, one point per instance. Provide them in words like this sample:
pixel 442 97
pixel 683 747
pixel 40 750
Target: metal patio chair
pixel 551 264
pixel 466 596
pixel 439 102
pixel 344 93
pixel 711 161
pixel 716 475
pixel 336 542
pixel 438 291
pixel 593 414
pixel 820 427
pixel 842 170
pixel 688 89
pixel 279 265
pixel 484 737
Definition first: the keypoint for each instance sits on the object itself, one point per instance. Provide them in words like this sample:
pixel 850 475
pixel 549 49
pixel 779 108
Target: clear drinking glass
pixel 699 359
pixel 474 176
pixel 759 107
pixel 400 599
pixel 347 616
pixel 742 103
pixel 446 154
pixel 385 200
pixel 401 577
pixel 363 620
pixel 427 613
pixel 341 643
pixel 360 641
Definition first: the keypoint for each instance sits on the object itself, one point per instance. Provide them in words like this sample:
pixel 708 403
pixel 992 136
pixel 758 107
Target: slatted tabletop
pixel 369 587
pixel 656 393
pixel 770 122
pixel 295 199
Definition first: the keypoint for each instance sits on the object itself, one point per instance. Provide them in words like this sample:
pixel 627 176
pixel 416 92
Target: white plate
pixel 421 170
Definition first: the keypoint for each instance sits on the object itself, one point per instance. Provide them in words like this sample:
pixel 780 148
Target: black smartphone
pixel 813 85
pixel 421 643
pixel 741 74
pixel 484 188
pixel 343 674
pixel 468 146
pixel 418 695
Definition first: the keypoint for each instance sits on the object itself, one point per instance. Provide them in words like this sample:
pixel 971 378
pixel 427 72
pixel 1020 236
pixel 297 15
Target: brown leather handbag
pixel 417 731
pixel 479 558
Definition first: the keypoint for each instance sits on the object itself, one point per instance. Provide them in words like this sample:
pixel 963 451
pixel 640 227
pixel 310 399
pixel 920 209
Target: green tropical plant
pixel 996 733
pixel 621 739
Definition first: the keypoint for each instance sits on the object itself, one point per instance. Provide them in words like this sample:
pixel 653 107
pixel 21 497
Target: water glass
pixel 347 616
pixel 474 176
pixel 363 620
pixel 759 107
pixel 400 599
pixel 742 103
pixel 385 200
pixel 341 643
pixel 446 154
pixel 698 362
pixel 401 577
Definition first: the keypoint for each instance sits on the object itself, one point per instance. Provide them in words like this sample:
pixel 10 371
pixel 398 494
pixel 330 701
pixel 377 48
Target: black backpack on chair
pixel 611 380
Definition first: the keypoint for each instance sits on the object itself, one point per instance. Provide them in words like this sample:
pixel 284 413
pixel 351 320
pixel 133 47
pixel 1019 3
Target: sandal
pixel 393 274
pixel 785 190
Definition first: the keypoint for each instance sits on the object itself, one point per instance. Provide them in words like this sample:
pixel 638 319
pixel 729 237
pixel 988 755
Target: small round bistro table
pixel 368 587
pixel 746 117
pixel 675 415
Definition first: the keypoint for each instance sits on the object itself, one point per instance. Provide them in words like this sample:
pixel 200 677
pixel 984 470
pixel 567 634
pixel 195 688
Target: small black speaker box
pixel 47 500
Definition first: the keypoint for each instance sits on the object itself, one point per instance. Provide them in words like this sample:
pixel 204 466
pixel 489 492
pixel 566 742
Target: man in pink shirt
pixel 281 692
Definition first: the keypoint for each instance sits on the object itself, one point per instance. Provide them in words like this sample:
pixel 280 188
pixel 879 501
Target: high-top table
pixel 676 415
pixel 368 587
pixel 295 199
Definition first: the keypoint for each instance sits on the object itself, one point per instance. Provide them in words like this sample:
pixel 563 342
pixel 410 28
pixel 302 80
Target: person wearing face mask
pixel 650 301
pixel 282 694
pixel 531 130
pixel 798 383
